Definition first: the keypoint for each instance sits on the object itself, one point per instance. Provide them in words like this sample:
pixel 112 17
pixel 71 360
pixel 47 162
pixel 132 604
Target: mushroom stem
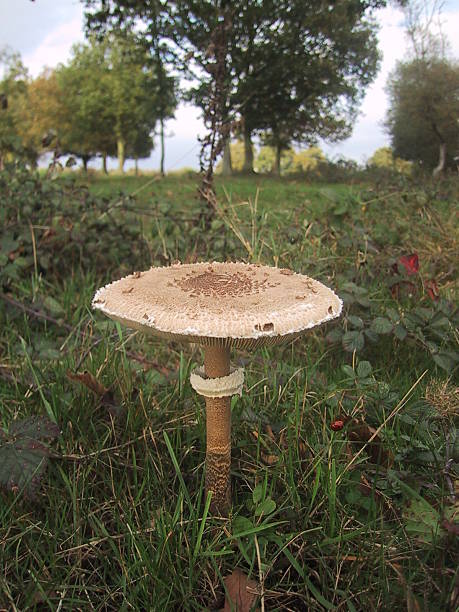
pixel 218 417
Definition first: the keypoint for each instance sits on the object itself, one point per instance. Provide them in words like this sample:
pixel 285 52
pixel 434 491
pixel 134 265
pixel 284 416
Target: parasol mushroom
pixel 219 306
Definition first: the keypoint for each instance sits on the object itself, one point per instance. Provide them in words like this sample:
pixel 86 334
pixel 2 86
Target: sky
pixel 43 32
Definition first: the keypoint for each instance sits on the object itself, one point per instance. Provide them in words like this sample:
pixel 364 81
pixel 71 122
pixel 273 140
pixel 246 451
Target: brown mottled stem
pixel 218 417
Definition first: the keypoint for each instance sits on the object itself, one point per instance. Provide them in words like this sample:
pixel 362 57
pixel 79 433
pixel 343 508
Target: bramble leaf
pixel 24 453
pixel 381 325
pixel 353 341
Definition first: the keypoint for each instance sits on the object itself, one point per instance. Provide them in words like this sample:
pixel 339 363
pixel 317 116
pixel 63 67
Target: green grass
pixel 321 519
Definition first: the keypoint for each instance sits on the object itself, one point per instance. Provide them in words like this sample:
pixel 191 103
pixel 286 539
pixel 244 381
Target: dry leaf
pixel 454 599
pixel 269 459
pixel 361 432
pixel 240 592
pixel 412 604
pixel 270 433
pixel 89 381
pixel 303 449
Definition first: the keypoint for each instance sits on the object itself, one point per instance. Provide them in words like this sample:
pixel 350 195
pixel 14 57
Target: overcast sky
pixel 44 31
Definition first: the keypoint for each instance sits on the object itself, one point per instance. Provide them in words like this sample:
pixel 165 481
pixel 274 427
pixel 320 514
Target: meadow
pixel 345 464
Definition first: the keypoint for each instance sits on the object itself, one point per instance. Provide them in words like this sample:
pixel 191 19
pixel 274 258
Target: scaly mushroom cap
pixel 237 304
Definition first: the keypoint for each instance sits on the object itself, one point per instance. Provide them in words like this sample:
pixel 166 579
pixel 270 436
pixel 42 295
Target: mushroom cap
pixel 227 304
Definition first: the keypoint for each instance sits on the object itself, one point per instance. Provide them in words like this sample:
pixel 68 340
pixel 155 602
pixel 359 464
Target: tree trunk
pixel 85 159
pixel 121 154
pixel 136 166
pixel 277 161
pixel 227 169
pixel 441 160
pixel 104 163
pixel 161 133
pixel 248 153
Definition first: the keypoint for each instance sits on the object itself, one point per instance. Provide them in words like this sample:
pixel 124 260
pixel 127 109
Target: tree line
pixel 283 72
pixel 107 101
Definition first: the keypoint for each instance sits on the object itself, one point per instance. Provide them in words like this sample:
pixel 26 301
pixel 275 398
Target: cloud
pixel 188 122
pixel 55 47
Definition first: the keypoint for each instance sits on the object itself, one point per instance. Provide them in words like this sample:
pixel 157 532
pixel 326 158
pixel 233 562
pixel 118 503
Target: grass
pixel 322 519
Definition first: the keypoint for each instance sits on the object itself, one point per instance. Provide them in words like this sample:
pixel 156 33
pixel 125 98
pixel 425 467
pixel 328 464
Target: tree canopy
pixel 423 111
pixel 291 71
pixel 13 93
pixel 105 101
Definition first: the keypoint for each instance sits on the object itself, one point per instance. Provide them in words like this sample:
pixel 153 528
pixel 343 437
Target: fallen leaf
pixel 107 396
pixel 240 592
pixel 269 459
pixel 410 263
pixel 270 433
pixel 337 425
pixel 450 526
pixel 302 449
pixel 432 290
pixel 403 289
pixel 89 381
pixel 412 604
pixel 361 432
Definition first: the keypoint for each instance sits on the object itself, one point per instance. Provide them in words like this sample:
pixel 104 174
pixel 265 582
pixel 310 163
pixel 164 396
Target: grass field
pixel 345 452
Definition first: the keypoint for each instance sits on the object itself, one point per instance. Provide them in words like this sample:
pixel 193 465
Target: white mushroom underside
pixel 219 301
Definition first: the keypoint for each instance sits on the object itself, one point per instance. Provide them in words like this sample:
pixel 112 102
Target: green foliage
pixel 13 96
pixel 423 110
pixel 292 71
pixel 24 453
pixel 384 158
pixel 68 220
pixel 307 161
pixel 105 101
pixel 332 451
pixel 429 328
pixel 265 161
pixel 111 101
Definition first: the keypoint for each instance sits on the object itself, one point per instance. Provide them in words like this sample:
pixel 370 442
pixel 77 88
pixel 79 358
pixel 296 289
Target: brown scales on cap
pixel 219 305
pixel 212 284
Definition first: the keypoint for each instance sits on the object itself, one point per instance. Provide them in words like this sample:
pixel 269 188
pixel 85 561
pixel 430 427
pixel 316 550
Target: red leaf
pixel 450 526
pixel 361 433
pixel 410 263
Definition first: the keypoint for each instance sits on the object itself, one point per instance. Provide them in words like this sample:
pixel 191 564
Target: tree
pixel 422 119
pixel 384 158
pixel 292 70
pixel 308 159
pixel 41 112
pixel 266 160
pixel 13 94
pixel 236 156
pixel 86 125
pixel 320 59
pixel 110 104
pixel 122 19
pixel 133 89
